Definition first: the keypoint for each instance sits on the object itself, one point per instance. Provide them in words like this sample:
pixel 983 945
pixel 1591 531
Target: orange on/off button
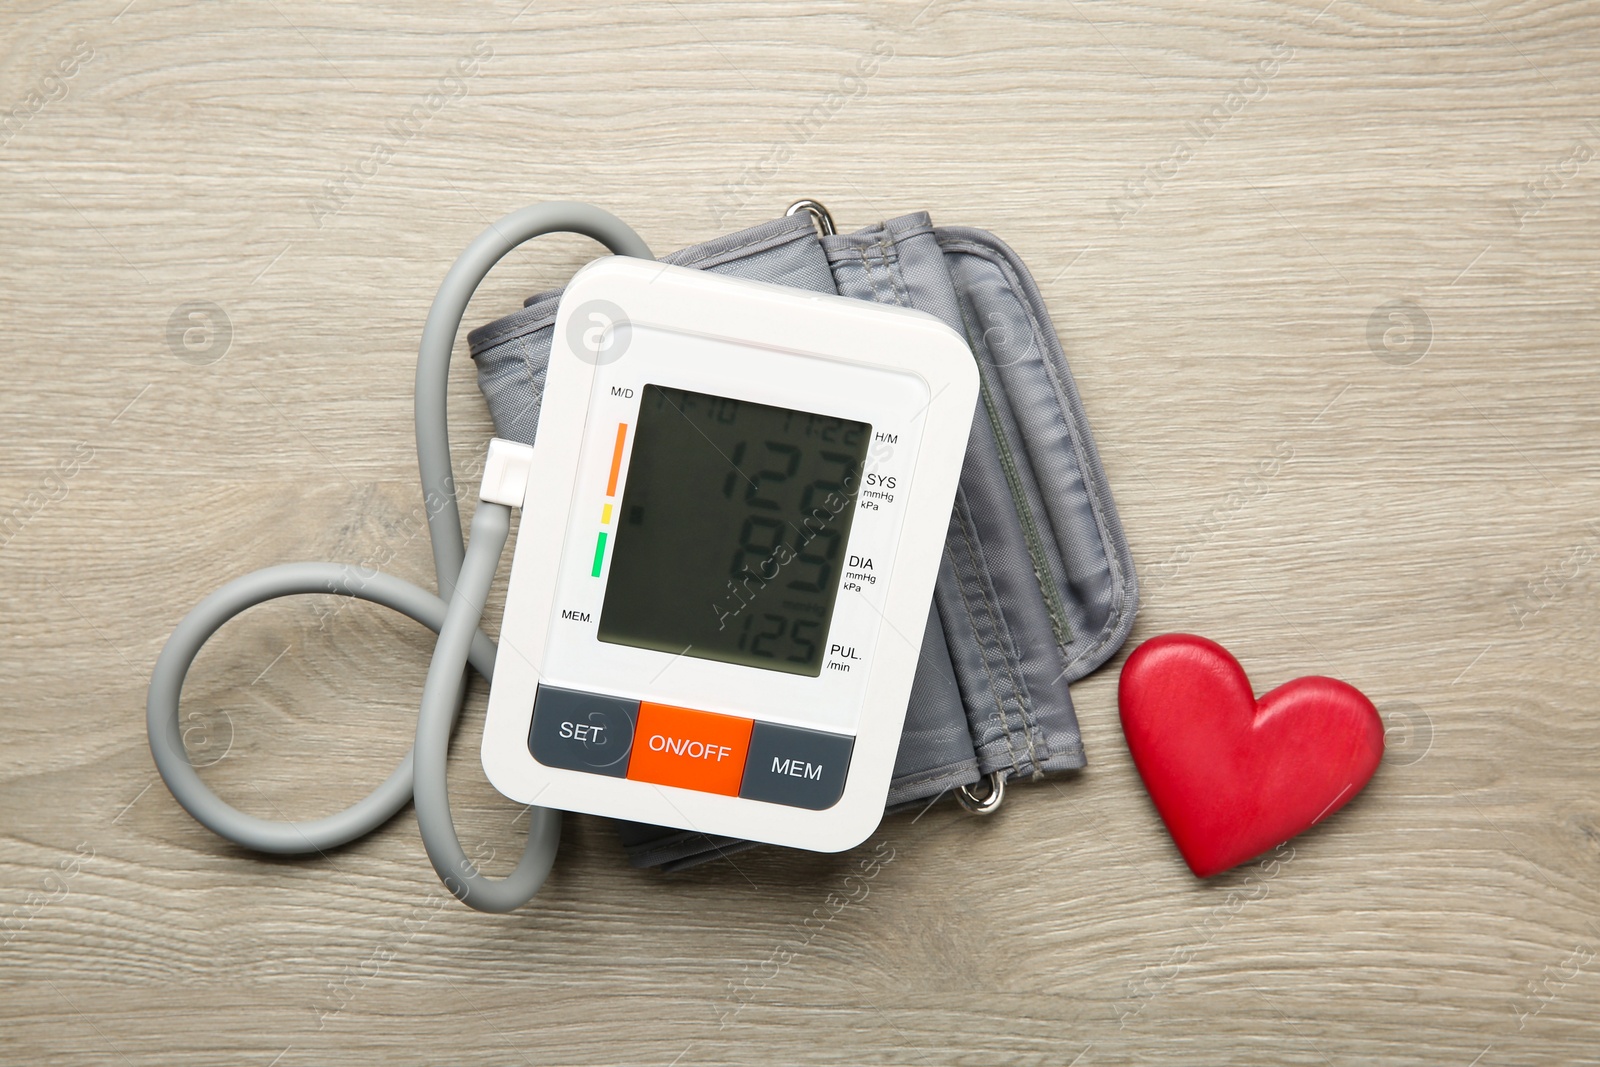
pixel 689 749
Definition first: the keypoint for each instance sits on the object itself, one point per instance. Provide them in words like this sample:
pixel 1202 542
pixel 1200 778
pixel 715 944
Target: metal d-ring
pixel 819 214
pixel 990 802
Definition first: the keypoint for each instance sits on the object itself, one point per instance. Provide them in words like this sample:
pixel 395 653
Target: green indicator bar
pixel 599 554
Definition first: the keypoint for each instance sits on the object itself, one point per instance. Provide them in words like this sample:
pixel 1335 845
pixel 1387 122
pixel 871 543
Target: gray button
pixel 582 731
pixel 800 768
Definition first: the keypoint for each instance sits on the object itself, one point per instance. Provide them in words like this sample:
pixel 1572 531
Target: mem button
pixel 800 768
pixel 579 731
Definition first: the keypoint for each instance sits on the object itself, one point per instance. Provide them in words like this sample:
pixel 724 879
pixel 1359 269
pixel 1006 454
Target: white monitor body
pixel 781 718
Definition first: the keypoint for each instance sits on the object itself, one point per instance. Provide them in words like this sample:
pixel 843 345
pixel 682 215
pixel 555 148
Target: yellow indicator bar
pixel 605 515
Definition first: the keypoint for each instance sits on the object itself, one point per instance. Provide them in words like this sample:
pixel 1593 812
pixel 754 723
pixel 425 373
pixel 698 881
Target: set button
pixel 580 731
pixel 689 749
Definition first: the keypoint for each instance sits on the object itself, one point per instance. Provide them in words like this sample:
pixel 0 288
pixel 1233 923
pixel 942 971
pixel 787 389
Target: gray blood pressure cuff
pixel 1037 586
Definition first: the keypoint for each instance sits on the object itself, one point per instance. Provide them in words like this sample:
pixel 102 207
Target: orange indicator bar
pixel 616 459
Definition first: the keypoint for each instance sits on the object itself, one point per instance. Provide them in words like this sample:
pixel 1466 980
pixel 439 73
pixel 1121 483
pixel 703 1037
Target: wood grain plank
pixel 1428 529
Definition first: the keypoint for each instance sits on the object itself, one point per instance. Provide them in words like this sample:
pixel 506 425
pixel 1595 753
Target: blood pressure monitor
pixel 735 510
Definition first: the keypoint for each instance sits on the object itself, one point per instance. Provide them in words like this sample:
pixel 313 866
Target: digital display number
pixel 730 539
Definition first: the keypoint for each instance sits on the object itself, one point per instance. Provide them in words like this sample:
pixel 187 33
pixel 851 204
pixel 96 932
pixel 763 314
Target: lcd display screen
pixel 730 539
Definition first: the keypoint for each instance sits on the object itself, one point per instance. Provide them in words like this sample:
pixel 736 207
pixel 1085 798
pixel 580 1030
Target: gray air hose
pixel 464 577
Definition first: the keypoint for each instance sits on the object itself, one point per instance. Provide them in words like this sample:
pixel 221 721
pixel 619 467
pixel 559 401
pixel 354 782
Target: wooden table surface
pixel 1326 275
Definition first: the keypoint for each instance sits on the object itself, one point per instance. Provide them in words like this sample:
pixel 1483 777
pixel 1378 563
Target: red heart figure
pixel 1231 775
